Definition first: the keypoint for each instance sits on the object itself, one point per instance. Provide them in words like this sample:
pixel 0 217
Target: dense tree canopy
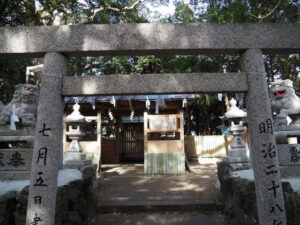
pixel 207 108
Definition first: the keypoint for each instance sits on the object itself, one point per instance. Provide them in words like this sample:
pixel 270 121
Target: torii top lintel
pixel 150 38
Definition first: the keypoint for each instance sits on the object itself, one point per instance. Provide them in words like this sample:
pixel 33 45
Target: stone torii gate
pixel 55 44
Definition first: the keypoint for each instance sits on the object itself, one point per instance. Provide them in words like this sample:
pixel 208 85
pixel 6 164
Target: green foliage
pixel 183 14
pixel 17 13
pixel 229 11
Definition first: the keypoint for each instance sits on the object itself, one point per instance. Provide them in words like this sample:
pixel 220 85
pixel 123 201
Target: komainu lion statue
pixel 284 102
pixel 24 105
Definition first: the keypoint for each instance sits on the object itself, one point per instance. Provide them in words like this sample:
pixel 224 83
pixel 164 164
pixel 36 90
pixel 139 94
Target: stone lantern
pixel 237 154
pixel 74 157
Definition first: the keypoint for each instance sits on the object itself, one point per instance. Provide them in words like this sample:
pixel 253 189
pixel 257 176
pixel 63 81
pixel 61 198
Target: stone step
pixel 78 162
pixel 127 206
pixel 165 218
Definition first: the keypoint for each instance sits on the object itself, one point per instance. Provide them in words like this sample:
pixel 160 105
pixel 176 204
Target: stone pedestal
pixel 288 154
pixel 15 155
pixel 289 159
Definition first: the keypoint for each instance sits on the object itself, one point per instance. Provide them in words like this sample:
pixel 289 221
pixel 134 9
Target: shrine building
pixel 145 129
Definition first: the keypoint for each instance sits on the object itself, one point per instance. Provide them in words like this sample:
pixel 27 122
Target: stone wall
pixel 76 203
pixel 239 199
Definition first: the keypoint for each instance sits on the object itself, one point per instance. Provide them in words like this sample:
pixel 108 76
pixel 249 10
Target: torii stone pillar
pixel 48 146
pixel 269 196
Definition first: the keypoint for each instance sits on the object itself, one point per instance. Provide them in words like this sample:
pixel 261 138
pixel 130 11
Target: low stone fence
pixel 239 199
pixel 76 202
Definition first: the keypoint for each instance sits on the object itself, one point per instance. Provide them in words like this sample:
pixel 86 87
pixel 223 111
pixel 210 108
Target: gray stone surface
pixel 15 175
pixel 237 152
pixel 291 127
pixel 150 38
pixel 290 171
pixel 288 154
pixel 155 84
pixel 75 156
pixel 15 159
pixel 49 134
pixel 262 140
pixel 23 132
pixel 238 159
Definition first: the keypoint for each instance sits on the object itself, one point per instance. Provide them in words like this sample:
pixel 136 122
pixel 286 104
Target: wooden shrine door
pixel 131 142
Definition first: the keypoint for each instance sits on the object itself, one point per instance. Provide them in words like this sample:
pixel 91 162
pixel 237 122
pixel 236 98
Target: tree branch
pixel 126 8
pixel 261 17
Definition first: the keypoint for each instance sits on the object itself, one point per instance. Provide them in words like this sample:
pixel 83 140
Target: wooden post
pixel 145 132
pixel 145 139
pixel 119 137
pixel 181 119
pixel 99 130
